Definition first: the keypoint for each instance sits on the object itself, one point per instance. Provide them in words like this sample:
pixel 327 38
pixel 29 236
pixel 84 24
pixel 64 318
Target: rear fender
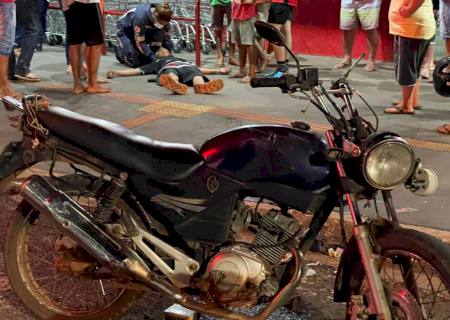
pixel 16 158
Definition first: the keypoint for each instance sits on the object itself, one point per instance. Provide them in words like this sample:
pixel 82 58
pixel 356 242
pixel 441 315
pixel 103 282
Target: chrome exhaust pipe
pixel 81 227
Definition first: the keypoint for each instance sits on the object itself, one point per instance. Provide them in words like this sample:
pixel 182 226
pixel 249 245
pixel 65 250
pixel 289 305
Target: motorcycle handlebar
pixel 268 82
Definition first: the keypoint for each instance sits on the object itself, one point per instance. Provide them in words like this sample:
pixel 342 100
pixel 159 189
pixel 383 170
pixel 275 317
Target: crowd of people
pixel 144 45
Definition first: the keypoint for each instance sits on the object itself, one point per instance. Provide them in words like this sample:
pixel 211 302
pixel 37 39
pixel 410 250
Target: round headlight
pixel 388 163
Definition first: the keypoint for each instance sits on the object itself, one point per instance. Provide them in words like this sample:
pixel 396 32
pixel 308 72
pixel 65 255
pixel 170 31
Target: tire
pixel 190 47
pixel 24 218
pixel 407 245
pixel 205 49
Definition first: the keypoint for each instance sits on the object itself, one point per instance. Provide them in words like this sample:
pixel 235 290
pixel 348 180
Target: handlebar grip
pixel 268 82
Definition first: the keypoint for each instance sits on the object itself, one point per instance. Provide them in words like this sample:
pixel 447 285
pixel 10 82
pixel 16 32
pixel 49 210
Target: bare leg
pixel 75 62
pixel 5 87
pixel 279 51
pixel 218 34
pixel 93 61
pixel 207 71
pixel 428 61
pixel 198 80
pixel 242 58
pixel 252 61
pixel 287 32
pixel 349 39
pixel 232 55
pixel 447 45
pixel 372 45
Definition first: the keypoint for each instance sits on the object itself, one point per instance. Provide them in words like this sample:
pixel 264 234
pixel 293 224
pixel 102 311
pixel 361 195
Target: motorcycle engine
pixel 240 274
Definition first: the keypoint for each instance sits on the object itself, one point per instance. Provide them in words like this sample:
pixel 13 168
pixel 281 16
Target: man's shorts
pixel 7 27
pixel 244 32
pixel 363 12
pixel 444 18
pixel 408 59
pixel 84 24
pixel 280 13
pixel 218 13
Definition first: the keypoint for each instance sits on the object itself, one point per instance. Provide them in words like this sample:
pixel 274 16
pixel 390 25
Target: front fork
pixel 378 301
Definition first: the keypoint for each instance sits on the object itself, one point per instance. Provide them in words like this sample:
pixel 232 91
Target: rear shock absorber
pixel 110 197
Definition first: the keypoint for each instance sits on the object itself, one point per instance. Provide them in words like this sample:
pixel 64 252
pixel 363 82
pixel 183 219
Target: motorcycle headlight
pixel 388 163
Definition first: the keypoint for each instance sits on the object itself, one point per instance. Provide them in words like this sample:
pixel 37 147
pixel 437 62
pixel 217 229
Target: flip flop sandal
pixel 246 79
pixel 444 129
pixel 396 102
pixel 238 75
pixel 397 110
pixel 167 82
pixel 209 87
pixel 370 67
pixel 342 65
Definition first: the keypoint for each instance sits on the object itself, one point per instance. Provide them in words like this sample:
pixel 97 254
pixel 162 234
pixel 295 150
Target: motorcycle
pixel 134 214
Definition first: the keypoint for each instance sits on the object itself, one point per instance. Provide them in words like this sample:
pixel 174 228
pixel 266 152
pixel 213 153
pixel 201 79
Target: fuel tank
pixel 281 163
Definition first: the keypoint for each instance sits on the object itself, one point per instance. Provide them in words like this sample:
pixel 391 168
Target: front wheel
pixel 415 271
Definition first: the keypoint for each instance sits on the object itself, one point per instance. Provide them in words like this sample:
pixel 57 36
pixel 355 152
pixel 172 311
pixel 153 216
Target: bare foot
pixel 79 89
pixel 8 91
pixel 219 62
pixel 343 64
pixel 69 69
pixel 225 70
pixel 97 89
pixel 233 61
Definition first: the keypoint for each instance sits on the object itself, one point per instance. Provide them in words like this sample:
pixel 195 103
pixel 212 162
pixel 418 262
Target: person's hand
pixel 237 1
pixel 111 74
pixel 405 11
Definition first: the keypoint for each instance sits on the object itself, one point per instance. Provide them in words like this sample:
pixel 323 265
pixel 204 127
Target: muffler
pixel 81 227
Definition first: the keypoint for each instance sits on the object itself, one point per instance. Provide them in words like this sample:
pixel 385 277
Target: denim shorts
pixel 7 27
pixel 444 18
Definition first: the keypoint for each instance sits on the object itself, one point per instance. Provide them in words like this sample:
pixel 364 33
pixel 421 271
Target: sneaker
pixel 275 74
pixel 209 87
pixel 167 82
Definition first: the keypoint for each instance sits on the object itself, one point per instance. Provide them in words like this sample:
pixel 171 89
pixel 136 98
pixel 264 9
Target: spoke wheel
pixel 80 289
pixel 415 271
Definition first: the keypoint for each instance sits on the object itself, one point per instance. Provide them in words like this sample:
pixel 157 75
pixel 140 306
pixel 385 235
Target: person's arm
pixel 408 7
pixel 139 36
pixel 123 73
pixel 167 43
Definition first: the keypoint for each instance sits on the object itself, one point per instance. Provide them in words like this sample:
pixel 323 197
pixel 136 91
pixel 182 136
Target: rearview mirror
pixel 270 33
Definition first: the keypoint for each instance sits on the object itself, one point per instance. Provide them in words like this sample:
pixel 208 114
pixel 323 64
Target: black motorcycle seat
pixel 121 147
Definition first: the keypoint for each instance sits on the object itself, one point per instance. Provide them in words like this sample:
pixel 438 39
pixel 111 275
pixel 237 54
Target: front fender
pixel 350 272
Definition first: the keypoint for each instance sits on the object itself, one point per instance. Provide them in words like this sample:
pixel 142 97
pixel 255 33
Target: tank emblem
pixel 212 184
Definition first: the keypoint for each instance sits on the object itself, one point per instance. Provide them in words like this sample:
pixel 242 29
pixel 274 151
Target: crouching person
pixel 141 32
pixel 176 74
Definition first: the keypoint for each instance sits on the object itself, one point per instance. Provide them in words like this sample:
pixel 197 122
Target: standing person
pixel 7 35
pixel 28 22
pixel 428 61
pixel 244 16
pixel 42 6
pixel 262 9
pixel 354 13
pixel 444 22
pixel 413 26
pixel 280 16
pixel 84 26
pixel 141 32
pixel 220 9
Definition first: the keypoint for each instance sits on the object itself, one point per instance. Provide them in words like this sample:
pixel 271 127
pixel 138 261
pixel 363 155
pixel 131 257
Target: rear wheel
pixel 415 271
pixel 60 284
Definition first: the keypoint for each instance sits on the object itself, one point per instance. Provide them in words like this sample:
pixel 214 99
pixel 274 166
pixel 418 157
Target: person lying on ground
pixel 176 74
